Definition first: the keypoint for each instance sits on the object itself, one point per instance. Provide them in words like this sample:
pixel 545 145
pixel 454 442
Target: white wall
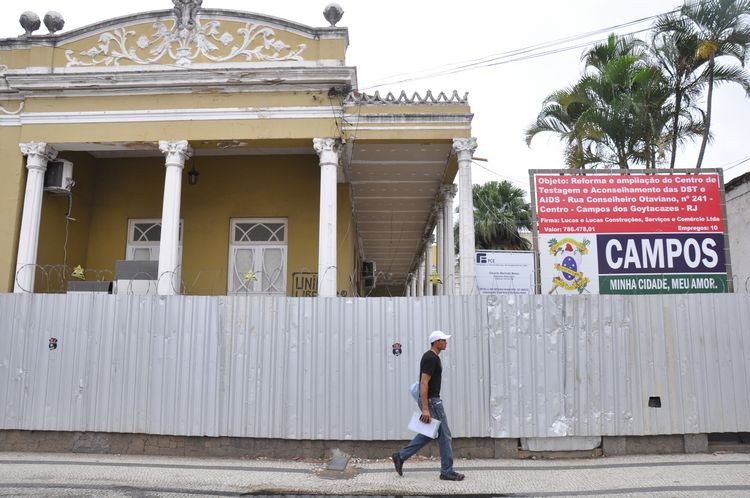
pixel 738 222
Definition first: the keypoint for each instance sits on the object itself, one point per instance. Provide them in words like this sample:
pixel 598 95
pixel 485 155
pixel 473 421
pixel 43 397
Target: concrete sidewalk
pixel 55 474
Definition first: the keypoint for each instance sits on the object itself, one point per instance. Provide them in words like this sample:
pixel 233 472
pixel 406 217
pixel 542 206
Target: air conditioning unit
pixel 368 274
pixel 58 179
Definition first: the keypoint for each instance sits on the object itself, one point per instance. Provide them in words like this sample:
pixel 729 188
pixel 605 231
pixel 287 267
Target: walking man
pixel 430 374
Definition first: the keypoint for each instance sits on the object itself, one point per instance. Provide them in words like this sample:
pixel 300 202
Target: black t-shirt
pixel 431 366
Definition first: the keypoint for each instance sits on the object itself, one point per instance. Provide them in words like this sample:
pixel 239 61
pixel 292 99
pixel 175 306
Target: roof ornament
pixel 185 40
pixel 333 13
pixel 357 98
pixel 185 12
pixel 29 22
pixel 53 21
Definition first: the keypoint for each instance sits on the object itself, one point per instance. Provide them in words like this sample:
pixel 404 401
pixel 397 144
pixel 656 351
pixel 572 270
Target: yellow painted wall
pixel 202 100
pixel 228 187
pixel 55 257
pixel 13 174
pixel 309 49
pixel 346 274
pixel 303 129
pixel 79 48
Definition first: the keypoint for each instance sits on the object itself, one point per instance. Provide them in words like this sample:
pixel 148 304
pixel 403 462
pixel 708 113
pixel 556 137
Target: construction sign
pixel 630 232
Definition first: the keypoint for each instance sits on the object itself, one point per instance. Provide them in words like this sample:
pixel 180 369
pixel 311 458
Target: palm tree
pixel 675 52
pixel 722 28
pixel 560 114
pixel 500 212
pixel 614 115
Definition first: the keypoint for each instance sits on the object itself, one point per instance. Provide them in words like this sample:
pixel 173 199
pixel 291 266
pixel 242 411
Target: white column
pixel 449 192
pixel 37 155
pixel 428 264
pixel 440 248
pixel 176 152
pixel 413 285
pixel 464 149
pixel 328 150
pixel 420 278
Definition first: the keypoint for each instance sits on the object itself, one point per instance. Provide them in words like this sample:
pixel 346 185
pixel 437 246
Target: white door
pixel 257 256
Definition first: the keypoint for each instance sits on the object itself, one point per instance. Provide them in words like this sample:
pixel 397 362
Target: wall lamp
pixel 193 173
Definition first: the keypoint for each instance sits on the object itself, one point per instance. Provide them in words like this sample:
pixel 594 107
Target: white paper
pixel 430 430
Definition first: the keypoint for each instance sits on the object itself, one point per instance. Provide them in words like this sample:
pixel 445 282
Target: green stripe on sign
pixel 662 284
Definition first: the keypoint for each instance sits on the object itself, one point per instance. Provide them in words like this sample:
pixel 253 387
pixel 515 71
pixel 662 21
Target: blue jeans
pixel 444 438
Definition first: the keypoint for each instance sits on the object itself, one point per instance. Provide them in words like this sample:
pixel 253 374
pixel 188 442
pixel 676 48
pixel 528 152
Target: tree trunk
pixel 675 123
pixel 708 110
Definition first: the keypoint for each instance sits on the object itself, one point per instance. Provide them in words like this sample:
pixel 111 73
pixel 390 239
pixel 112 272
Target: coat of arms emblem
pixel 569 254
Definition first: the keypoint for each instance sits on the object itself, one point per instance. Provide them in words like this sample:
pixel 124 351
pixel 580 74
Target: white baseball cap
pixel 438 335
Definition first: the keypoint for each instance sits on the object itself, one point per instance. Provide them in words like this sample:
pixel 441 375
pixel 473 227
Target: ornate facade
pixel 214 151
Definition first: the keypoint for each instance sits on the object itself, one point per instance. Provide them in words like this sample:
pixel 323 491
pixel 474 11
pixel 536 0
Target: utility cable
pixel 515 55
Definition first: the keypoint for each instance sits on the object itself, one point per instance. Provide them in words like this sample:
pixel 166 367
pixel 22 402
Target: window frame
pixel 131 245
pixel 258 248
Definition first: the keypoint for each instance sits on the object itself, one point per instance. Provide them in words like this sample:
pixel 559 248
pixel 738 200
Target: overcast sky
pixel 390 37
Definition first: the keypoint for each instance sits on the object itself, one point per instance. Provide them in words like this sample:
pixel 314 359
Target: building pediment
pixel 173 39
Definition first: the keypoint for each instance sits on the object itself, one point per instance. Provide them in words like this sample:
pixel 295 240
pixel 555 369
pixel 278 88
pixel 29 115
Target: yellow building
pixel 206 152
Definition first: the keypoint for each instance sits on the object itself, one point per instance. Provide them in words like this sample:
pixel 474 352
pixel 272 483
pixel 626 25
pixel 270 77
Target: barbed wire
pixel 55 279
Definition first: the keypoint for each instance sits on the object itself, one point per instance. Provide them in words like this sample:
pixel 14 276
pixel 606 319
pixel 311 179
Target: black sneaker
pixel 453 476
pixel 398 463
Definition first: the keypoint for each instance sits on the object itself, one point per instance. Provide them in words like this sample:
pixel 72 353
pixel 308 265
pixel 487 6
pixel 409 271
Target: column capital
pixel 327 145
pixel 449 192
pixel 464 147
pixel 37 154
pixel 177 152
pixel 428 239
pixel 328 150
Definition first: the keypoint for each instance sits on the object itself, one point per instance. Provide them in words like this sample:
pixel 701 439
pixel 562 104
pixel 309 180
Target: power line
pixel 529 48
pixel 515 55
pixel 735 163
pixel 508 178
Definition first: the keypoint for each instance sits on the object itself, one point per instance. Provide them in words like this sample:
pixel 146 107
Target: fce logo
pixel 483 258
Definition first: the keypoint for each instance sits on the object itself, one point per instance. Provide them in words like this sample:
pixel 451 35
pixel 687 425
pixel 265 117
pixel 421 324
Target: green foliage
pixel 636 103
pixel 712 29
pixel 500 213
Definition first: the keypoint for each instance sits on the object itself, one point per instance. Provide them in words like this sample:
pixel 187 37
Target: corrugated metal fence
pixel 324 368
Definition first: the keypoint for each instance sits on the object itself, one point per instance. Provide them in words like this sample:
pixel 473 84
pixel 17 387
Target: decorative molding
pixel 359 98
pixel 74 35
pixel 323 145
pixel 465 145
pixel 404 128
pixel 4 87
pixel 37 154
pixel 184 45
pixel 161 79
pixel 333 13
pixel 177 152
pixel 30 22
pixel 389 118
pixel 185 12
pixel 16 112
pixel 169 115
pixel 449 191
pixel 53 21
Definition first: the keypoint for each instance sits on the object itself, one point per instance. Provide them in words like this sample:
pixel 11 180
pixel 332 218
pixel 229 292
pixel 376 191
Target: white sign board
pixel 505 272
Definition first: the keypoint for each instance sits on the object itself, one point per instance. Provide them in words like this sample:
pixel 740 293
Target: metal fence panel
pixel 253 366
pixel 324 368
pixel 588 365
